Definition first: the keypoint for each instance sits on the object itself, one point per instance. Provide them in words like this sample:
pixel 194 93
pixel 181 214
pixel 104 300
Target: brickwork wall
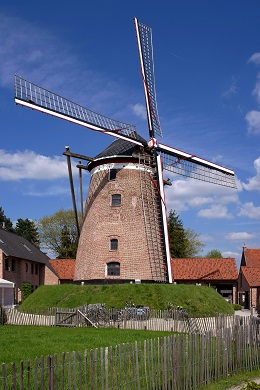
pixel 25 271
pixel 104 222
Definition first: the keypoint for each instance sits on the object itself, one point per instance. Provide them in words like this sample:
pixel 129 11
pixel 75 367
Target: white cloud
pixel 139 110
pixel 254 182
pixel 190 193
pixel 216 211
pixel 255 58
pixel 253 120
pixel 232 90
pixel 250 211
pixel 231 254
pixel 29 165
pixel 239 236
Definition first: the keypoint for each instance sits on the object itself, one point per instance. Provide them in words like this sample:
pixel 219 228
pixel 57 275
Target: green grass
pixel 27 342
pixel 234 380
pixel 199 300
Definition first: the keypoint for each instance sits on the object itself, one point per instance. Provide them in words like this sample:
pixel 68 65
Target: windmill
pixel 124 235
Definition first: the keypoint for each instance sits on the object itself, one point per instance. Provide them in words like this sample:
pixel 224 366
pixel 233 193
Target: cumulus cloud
pixel 239 236
pixel 190 193
pixel 139 110
pixel 253 122
pixel 250 211
pixel 254 182
pixel 231 254
pixel 29 165
pixel 255 58
pixel 216 211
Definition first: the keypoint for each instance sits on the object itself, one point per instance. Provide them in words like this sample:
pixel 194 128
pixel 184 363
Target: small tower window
pixel 113 244
pixel 113 269
pixel 112 174
pixel 116 200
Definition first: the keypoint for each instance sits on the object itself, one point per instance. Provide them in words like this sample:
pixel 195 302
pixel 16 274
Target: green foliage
pixel 177 236
pixel 26 290
pixel 28 230
pixel 58 232
pixel 183 243
pixel 5 222
pixel 214 254
pixel 198 300
pixel 236 306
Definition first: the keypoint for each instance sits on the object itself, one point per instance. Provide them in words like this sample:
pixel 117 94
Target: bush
pixel 26 290
pixel 236 306
pixel 3 317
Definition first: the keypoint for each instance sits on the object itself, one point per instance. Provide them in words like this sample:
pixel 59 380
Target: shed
pixel 6 293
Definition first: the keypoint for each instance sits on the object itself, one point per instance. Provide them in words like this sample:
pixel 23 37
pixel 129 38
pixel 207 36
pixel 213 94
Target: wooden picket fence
pixel 157 320
pixel 178 362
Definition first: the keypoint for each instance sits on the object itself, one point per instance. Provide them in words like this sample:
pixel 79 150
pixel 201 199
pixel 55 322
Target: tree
pixel 28 230
pixel 5 223
pixel 194 245
pixel 214 254
pixel 177 236
pixel 58 232
pixel 183 243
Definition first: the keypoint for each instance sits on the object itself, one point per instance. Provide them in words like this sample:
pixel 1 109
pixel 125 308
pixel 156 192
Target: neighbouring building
pixel 220 273
pixel 249 279
pixel 65 269
pixel 21 262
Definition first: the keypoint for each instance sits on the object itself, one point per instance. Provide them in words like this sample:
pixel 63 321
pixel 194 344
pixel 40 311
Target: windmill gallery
pixel 124 234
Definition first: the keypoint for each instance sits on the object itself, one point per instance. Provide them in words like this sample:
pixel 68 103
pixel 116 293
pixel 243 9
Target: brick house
pixel 21 262
pixel 249 279
pixel 64 268
pixel 220 273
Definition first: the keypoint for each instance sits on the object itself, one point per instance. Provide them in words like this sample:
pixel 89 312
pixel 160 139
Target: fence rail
pixel 178 362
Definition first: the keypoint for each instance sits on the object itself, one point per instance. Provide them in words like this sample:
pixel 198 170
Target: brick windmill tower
pixel 124 234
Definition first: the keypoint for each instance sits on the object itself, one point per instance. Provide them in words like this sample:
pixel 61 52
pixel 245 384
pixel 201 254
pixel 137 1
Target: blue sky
pixel 207 69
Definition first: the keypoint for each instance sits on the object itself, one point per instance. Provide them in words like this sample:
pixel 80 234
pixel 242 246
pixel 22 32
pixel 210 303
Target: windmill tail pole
pixel 67 153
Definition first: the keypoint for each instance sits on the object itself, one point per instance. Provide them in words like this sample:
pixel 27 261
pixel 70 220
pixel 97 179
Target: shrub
pixel 26 290
pixel 236 306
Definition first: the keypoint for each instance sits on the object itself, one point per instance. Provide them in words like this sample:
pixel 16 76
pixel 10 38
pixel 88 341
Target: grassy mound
pixel 198 300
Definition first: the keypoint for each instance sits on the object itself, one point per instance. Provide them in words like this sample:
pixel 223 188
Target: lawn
pixel 27 342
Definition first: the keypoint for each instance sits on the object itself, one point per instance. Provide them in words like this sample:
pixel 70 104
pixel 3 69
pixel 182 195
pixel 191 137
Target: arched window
pixel 113 244
pixel 113 269
pixel 116 200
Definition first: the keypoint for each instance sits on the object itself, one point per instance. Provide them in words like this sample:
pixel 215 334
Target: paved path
pixel 238 387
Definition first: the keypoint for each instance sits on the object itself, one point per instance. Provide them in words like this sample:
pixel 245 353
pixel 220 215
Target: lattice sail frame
pixel 38 98
pixel 145 46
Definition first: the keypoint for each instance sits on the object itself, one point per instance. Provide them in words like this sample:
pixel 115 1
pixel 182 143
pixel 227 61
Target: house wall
pixel 21 271
pixel 243 292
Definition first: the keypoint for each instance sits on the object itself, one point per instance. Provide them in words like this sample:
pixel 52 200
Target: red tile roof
pixel 252 257
pixel 252 275
pixel 64 267
pixel 204 269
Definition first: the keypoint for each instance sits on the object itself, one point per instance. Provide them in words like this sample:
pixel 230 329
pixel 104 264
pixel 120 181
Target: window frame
pixel 113 268
pixel 113 244
pixel 116 200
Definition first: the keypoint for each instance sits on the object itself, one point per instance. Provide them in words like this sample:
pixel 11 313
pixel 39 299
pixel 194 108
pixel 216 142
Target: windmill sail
pixel 33 96
pixel 144 40
pixel 188 165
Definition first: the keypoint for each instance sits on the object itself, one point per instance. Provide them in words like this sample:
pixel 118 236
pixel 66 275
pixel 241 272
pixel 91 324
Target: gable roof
pixel 252 275
pixel 17 246
pixel 64 268
pixel 204 269
pixel 251 257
